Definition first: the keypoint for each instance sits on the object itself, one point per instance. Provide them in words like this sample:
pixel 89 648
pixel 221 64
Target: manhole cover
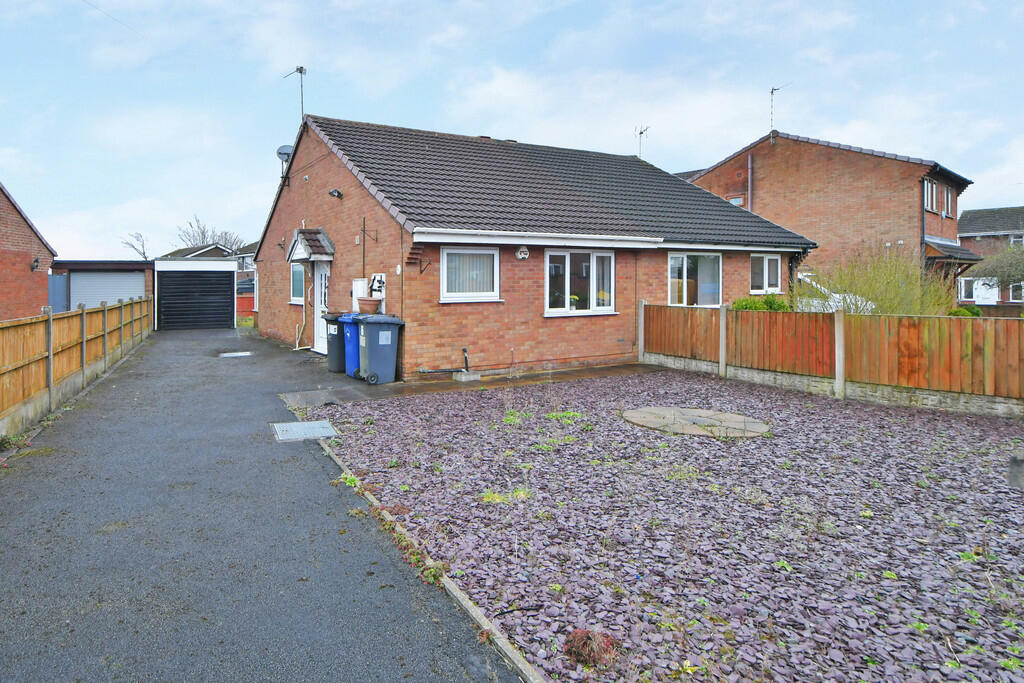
pixel 297 431
pixel 235 354
pixel 695 421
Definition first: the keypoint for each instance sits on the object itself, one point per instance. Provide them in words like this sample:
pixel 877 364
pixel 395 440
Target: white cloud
pixel 692 122
pixel 998 184
pixel 14 162
pixel 160 130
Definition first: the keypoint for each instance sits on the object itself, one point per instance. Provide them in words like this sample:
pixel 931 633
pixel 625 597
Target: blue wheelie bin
pixel 350 326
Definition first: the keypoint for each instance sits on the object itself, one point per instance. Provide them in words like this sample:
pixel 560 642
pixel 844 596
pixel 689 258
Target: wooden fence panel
pixel 971 355
pixel 22 360
pixel 683 332
pixel 23 346
pixel 800 343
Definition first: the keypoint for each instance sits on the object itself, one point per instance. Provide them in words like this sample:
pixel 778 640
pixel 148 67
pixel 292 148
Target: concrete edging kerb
pixel 523 668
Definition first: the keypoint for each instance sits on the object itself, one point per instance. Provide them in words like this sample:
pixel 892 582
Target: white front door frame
pixel 321 278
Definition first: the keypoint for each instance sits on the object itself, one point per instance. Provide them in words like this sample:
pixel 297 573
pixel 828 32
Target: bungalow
pixel 525 255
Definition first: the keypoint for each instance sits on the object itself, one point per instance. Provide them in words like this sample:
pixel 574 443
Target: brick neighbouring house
pixel 25 258
pixel 516 230
pixel 989 232
pixel 845 198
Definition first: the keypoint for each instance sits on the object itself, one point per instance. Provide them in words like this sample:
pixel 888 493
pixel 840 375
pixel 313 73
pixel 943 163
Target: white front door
pixel 321 273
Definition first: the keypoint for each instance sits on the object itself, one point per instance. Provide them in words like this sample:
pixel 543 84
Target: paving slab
pixel 159 531
pixel 696 422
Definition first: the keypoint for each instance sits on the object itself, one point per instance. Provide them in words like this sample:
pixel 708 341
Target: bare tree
pixel 195 233
pixel 137 243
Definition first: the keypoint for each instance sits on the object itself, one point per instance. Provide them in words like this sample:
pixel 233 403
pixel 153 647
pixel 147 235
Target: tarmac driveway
pixel 158 531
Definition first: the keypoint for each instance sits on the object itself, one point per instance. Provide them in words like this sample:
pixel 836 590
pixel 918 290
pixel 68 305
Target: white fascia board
pixel 421 235
pixel 1000 233
pixel 940 240
pixel 696 246
pixel 196 264
pixel 297 252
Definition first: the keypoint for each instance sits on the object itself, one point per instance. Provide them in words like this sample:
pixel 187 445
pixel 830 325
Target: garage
pixel 90 283
pixel 195 293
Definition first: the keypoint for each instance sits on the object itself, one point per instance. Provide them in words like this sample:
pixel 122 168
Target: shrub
pixel 973 309
pixel 750 303
pixel 961 312
pixel 590 648
pixel 880 281
pixel 774 302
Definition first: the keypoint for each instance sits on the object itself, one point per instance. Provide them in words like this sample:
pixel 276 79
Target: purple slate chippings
pixel 853 542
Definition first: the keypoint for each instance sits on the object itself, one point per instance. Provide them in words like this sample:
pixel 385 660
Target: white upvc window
pixel 948 205
pixel 983 291
pixel 765 274
pixel 929 195
pixel 579 282
pixel 469 274
pixel 966 289
pixel 298 285
pixel 694 279
pixel 1016 240
pixel 736 200
pixel 1017 293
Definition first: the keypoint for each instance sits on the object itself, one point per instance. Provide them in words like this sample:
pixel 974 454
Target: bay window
pixel 694 279
pixel 469 274
pixel 579 282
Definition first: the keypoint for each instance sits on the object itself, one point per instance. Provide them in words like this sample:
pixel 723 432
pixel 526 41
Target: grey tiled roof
pixel 953 251
pixel 188 251
pixel 446 181
pixel 1008 219
pixel 317 242
pixel 689 175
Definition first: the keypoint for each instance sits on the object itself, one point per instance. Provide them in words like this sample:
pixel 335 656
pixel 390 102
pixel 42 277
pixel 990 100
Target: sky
pixel 123 116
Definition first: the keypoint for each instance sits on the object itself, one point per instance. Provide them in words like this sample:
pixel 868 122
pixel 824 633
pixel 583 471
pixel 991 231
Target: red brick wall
pixel 23 292
pixel 988 245
pixel 342 219
pixel 842 200
pixel 494 333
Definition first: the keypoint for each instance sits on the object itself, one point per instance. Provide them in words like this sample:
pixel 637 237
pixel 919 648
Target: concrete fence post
pixel 640 330
pixel 839 317
pixel 105 328
pixel 722 349
pixel 84 340
pixel 49 353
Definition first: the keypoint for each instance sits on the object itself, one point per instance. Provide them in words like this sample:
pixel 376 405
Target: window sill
pixel 695 305
pixel 294 303
pixel 764 292
pixel 470 301
pixel 577 314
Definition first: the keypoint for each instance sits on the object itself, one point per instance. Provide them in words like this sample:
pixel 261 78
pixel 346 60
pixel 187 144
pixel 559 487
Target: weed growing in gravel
pixel 519 493
pixel 515 417
pixel 920 626
pixel 556 588
pixel 891 575
pixel 784 566
pixel 683 473
pixel 566 417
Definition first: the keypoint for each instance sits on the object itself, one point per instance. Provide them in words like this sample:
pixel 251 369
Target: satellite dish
pixel 284 153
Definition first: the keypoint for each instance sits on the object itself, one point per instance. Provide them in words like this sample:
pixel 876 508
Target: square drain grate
pixel 297 431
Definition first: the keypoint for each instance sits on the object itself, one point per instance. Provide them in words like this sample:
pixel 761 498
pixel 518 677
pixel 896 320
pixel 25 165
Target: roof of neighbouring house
pixel 188 252
pixel 953 251
pixel 27 220
pixel 456 182
pixel 689 175
pixel 248 248
pixel 980 221
pixel 936 167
